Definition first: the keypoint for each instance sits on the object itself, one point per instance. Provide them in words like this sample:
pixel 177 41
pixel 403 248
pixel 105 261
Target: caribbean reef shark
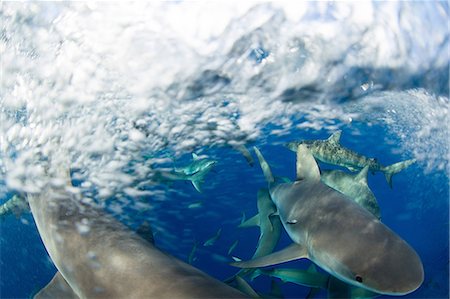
pixel 337 234
pixel 194 172
pixel 332 152
pixel 317 280
pixel 354 186
pixel 97 256
pixel 269 225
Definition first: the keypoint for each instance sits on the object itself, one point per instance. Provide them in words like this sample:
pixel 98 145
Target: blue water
pixel 416 208
pixel 267 79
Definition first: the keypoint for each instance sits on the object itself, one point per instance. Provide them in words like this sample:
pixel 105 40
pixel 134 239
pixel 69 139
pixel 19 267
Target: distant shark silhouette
pixel 97 256
pixel 194 172
pixel 337 234
pixel 332 152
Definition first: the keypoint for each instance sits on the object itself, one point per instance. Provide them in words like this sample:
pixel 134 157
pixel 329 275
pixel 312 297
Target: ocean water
pixel 120 91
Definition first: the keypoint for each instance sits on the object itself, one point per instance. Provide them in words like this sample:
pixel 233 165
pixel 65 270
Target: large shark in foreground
pixel 337 234
pixel 97 256
pixel 331 151
pixel 194 172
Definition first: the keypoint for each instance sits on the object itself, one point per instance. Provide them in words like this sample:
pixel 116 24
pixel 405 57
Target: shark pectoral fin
pixel 254 221
pixel 362 175
pixel 290 253
pixel 335 137
pixel 306 164
pixel 56 288
pixel 194 156
pixel 197 185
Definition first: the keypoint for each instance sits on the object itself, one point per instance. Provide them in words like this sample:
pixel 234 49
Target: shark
pixel 317 280
pixel 211 241
pixel 354 186
pixel 269 226
pixel 332 152
pixel 97 256
pixel 194 172
pixel 16 205
pixel 337 234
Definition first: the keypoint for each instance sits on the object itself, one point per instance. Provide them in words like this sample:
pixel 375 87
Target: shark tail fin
pixel 390 170
pixel 264 166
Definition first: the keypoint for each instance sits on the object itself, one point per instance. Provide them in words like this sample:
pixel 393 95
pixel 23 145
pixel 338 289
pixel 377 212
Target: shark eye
pixel 358 278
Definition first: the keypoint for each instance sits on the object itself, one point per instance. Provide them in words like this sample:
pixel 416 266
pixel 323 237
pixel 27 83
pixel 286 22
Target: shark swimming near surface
pixel 332 152
pixel 16 205
pixel 337 234
pixel 98 256
pixel 194 172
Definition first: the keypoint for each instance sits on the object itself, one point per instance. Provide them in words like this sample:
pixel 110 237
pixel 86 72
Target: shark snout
pixel 398 271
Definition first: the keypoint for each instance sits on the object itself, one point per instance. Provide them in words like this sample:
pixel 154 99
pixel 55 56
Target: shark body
pixel 194 172
pixel 354 186
pixel 337 234
pixel 331 151
pixel 269 226
pixel 97 256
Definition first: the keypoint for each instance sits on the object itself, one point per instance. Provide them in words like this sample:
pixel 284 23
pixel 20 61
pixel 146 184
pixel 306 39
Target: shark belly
pixel 99 257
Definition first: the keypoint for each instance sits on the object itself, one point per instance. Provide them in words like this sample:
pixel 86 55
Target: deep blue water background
pixel 416 208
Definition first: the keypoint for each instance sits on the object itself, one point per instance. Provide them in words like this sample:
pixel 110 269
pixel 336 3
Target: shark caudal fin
pixel 264 166
pixel 390 170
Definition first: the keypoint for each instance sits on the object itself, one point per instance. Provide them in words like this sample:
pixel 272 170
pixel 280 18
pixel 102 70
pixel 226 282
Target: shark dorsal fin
pixel 362 175
pixel 335 137
pixel 306 164
pixel 145 232
pixel 194 156
pixel 264 166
